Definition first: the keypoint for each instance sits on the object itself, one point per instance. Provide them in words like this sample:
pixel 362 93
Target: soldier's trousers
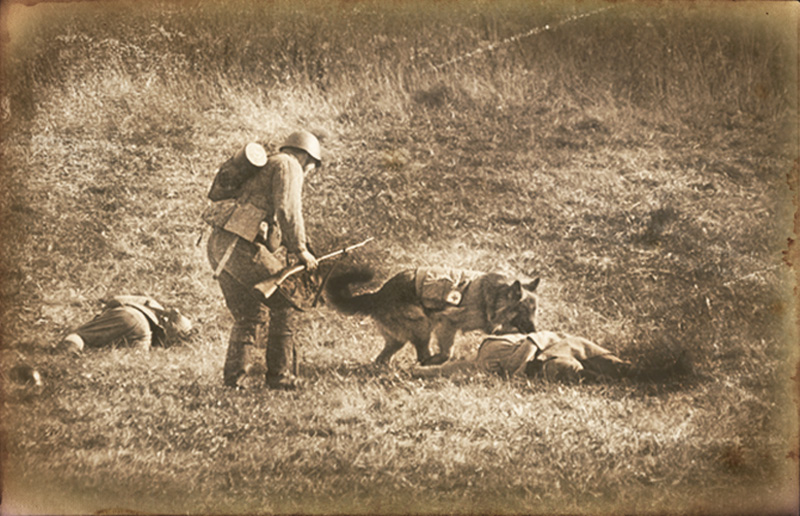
pixel 122 325
pixel 255 319
pixel 570 369
pixel 253 323
pixel 571 358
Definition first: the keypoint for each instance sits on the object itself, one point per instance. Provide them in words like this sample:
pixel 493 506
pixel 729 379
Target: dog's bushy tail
pixel 337 291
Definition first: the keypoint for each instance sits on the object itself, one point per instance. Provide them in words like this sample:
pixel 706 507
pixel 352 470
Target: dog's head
pixel 514 307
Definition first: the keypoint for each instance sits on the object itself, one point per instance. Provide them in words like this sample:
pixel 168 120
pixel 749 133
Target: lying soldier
pixel 546 354
pixel 134 321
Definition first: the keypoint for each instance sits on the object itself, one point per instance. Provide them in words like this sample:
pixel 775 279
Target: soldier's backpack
pixel 236 171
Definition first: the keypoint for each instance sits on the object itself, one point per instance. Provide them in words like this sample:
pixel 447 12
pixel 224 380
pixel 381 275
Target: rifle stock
pixel 269 286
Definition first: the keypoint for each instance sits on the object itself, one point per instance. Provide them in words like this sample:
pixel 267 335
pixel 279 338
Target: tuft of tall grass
pixel 632 54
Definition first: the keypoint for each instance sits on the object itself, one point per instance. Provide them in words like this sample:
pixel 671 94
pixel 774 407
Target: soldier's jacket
pixel 152 309
pixel 503 355
pixel 273 196
pixel 506 355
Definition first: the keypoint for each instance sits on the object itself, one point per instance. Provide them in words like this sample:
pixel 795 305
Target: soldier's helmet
pixel 304 141
pixel 25 374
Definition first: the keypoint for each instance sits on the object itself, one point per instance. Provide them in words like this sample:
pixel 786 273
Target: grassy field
pixel 640 159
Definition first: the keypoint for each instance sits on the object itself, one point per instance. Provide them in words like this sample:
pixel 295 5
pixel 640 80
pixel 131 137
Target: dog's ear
pixel 516 290
pixel 531 287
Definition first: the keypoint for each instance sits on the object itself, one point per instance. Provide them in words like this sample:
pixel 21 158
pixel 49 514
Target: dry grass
pixel 636 160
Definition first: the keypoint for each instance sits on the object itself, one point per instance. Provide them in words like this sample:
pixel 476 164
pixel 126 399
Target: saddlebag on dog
pixel 442 287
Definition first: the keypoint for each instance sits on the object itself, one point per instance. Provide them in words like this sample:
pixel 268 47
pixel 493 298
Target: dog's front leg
pixel 391 347
pixel 423 350
pixel 445 334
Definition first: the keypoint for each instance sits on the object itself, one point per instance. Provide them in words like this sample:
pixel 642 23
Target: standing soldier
pixel 257 234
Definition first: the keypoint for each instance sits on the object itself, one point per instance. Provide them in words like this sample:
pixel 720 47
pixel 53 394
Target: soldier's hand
pixel 263 234
pixel 309 261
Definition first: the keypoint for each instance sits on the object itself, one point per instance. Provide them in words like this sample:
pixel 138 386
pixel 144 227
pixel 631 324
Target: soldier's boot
pixel 238 362
pixel 281 353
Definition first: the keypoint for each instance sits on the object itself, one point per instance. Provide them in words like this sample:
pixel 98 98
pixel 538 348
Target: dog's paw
pixel 435 360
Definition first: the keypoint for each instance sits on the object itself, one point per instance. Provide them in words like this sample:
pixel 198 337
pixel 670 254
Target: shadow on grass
pixel 678 375
pixel 650 377
pixel 342 370
pixel 385 375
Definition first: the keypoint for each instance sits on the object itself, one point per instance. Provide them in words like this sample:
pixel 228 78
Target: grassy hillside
pixel 637 157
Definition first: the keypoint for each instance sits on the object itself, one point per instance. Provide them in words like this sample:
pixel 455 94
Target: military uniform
pixel 555 356
pixel 570 358
pixel 135 321
pixel 255 237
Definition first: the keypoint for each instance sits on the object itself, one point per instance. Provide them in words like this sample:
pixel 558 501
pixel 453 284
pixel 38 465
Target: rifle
pixel 269 286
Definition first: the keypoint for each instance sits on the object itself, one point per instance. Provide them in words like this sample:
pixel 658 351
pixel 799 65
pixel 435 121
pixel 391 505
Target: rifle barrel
pixel 298 268
pixel 344 250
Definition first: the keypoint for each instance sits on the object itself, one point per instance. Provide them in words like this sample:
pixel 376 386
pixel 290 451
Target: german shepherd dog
pixel 488 302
